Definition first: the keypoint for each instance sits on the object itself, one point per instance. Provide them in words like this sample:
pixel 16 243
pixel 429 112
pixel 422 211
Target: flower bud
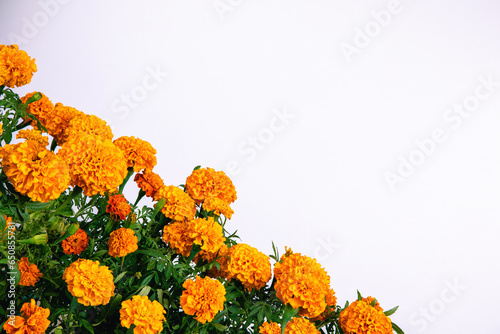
pixel 40 239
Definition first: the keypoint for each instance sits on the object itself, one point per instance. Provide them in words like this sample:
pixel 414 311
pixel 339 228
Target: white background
pixel 317 181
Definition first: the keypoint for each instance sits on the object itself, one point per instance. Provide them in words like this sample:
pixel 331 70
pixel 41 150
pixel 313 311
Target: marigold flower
pixel 248 265
pixel 362 318
pixel 270 328
pixel 150 183
pixel 203 297
pixel 118 207
pixel 146 315
pixel 181 236
pixel 91 283
pixel 90 124
pixel 42 109
pixel 76 243
pixel 58 122
pixel 218 206
pixel 300 326
pixel 122 242
pixel 139 153
pixel 33 135
pixel 16 67
pixel 301 282
pixel 33 320
pixel 35 171
pixel 206 182
pixel 97 166
pixel 29 272
pixel 179 205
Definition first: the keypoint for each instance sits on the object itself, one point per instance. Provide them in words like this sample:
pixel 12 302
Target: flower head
pixel 179 206
pixel 362 318
pixel 139 153
pixel 203 298
pixel 118 207
pixel 270 328
pixel 29 272
pixel 41 109
pixel 204 183
pixel 90 124
pixel 58 122
pixel 33 135
pixel 35 171
pixel 91 283
pixel 33 320
pixel 300 326
pixel 122 242
pixel 146 315
pixel 218 206
pixel 248 265
pixel 16 67
pixel 76 243
pixel 97 166
pixel 150 183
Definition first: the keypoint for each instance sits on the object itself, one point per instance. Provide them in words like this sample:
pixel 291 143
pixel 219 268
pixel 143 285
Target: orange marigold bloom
pixel 248 265
pixel 16 67
pixel 146 315
pixel 300 326
pixel 122 242
pixel 41 109
pixel 91 283
pixel 90 124
pixel 362 318
pixel 139 153
pixel 35 171
pixel 203 297
pixel 270 328
pixel 218 206
pixel 34 135
pixel 118 207
pixel 97 166
pixel 181 236
pixel 33 320
pixel 206 182
pixel 179 206
pixel 29 272
pixel 302 282
pixel 58 122
pixel 76 243
pixel 150 183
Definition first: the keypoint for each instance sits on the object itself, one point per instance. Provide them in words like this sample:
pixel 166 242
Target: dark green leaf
pixel 391 311
pixel 397 329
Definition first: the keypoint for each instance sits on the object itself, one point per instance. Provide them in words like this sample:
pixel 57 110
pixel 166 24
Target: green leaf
pixel 219 327
pixel 37 206
pixel 145 291
pixel 373 303
pixel 87 325
pixel 397 329
pixel 66 212
pixel 119 277
pixel 196 168
pixel 359 295
pixel 290 312
pixel 110 308
pixel 391 311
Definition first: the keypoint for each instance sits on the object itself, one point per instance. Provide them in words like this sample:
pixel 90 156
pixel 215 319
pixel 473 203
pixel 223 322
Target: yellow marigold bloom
pixel 122 242
pixel 58 122
pixel 29 272
pixel 76 243
pixel 179 205
pixel 206 182
pixel 270 328
pixel 90 124
pixel 139 153
pixel 97 166
pixel 150 183
pixel 118 207
pixel 203 298
pixel 16 67
pixel 33 135
pixel 362 318
pixel 33 320
pixel 218 206
pixel 300 326
pixel 35 171
pixel 302 282
pixel 146 315
pixel 248 265
pixel 91 283
pixel 41 109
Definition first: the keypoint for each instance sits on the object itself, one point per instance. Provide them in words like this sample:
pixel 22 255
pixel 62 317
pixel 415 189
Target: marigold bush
pixel 77 256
